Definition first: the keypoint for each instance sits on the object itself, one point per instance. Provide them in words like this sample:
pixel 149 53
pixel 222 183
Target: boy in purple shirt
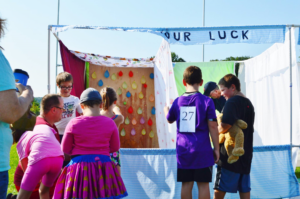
pixel 195 116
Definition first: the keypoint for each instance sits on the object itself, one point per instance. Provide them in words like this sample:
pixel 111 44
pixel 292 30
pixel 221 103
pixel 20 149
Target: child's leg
pixel 23 194
pixel 50 177
pixel 219 194
pixel 44 192
pixel 203 189
pixel 186 190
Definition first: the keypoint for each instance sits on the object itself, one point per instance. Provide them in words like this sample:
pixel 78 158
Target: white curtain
pixel 165 94
pixel 267 78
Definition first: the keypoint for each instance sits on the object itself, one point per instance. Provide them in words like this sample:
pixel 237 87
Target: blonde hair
pixel 109 96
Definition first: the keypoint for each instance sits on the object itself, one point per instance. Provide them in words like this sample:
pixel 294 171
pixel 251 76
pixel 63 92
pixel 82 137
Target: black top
pixel 219 103
pixel 236 108
pixel 21 71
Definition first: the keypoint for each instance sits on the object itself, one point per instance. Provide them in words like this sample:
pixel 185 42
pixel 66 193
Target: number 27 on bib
pixel 187 119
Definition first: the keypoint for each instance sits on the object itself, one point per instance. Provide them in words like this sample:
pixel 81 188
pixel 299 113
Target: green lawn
pixel 14 159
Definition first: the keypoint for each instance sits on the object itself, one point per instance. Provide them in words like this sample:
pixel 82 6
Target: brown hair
pixel 230 79
pixel 2 27
pixel 109 96
pixel 91 103
pixel 64 77
pixel 192 75
pixel 49 101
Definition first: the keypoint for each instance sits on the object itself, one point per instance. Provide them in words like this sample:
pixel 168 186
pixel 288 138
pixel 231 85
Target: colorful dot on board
pixel 94 76
pixel 141 95
pixel 133 122
pixel 151 134
pixel 120 73
pixel 150 122
pixel 139 111
pixel 130 74
pixel 128 94
pixel 123 133
pixel 113 77
pixel 100 83
pixel 151 75
pixel 124 103
pixel 119 91
pixel 124 85
pixel 133 132
pixel 130 110
pixel 143 80
pixel 142 121
pixel 127 121
pixel 151 98
pixel 134 85
pixel 145 85
pixel 153 111
pixel 106 74
pixel 143 132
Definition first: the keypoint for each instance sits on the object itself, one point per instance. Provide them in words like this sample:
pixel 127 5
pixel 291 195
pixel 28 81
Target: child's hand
pixel 216 155
pixel 166 110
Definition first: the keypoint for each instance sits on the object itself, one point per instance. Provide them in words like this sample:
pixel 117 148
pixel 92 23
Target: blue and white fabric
pixel 152 173
pixel 203 35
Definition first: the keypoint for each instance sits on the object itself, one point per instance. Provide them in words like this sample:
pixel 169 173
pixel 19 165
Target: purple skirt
pixel 90 176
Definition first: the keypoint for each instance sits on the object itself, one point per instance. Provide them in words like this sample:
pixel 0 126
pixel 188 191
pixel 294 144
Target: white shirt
pixel 71 105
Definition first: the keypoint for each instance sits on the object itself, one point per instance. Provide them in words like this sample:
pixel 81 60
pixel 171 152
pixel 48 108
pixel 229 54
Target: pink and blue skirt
pixel 90 176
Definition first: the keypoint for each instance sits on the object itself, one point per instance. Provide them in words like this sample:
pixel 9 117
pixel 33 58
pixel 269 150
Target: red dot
pixel 150 122
pixel 130 110
pixel 130 74
pixel 145 85
pixel 120 73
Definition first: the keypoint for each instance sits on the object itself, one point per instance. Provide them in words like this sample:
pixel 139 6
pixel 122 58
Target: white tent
pixel 277 123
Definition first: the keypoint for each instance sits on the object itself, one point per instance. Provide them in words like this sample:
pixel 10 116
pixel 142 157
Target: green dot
pixel 125 103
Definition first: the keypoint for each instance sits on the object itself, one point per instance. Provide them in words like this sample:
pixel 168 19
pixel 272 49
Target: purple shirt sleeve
pixel 68 139
pixel 114 143
pixel 211 112
pixel 172 115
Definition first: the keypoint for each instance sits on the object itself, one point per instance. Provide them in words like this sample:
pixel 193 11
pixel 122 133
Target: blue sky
pixel 25 42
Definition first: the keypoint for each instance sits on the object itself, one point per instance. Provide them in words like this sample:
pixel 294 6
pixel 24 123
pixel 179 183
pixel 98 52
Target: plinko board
pixel 136 100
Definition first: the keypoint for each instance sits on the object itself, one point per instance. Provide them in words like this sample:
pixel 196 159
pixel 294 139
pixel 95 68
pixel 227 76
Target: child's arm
pixel 166 111
pixel 114 143
pixel 214 134
pixel 120 119
pixel 68 140
pixel 223 128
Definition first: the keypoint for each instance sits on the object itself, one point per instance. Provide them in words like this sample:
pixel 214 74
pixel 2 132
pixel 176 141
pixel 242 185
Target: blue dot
pixel 153 111
pixel 152 76
pixel 106 74
pixel 128 94
pixel 100 83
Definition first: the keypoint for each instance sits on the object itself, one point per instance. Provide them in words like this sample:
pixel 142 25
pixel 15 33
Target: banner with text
pixel 203 35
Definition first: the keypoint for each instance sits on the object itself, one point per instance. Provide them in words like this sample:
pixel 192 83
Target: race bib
pixel 187 119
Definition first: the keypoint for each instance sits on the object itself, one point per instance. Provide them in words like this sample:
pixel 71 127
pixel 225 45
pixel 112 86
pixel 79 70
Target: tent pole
pixel 203 22
pixel 49 27
pixel 56 65
pixel 291 91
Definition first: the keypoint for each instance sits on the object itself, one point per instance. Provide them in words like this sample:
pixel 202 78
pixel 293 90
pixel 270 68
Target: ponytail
pixel 109 96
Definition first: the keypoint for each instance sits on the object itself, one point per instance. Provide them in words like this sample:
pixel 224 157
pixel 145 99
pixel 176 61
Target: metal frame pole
pixel 203 26
pixel 58 7
pixel 291 90
pixel 49 27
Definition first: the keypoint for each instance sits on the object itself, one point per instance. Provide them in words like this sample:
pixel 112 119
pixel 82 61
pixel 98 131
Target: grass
pixel 14 159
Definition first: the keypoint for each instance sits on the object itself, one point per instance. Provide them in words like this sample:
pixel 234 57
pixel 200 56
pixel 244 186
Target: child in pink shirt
pixel 90 139
pixel 45 158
